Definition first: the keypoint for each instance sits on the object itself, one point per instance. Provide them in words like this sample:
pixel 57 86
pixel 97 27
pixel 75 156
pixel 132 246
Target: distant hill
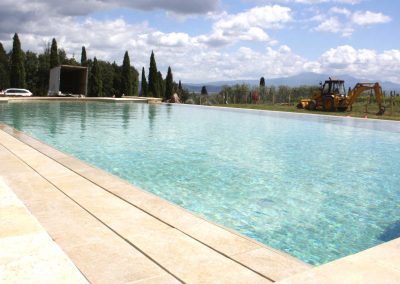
pixel 309 79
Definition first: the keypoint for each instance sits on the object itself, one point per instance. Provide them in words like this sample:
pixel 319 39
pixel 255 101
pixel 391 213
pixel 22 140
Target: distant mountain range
pixel 310 79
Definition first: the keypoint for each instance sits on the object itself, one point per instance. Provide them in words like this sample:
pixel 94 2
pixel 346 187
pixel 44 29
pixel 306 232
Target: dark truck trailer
pixel 68 80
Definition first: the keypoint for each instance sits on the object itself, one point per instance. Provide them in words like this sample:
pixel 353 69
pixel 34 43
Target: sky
pixel 213 40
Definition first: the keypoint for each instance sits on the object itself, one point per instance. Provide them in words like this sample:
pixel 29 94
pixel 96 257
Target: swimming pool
pixel 316 187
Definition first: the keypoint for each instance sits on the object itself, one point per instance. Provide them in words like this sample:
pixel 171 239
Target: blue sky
pixel 212 40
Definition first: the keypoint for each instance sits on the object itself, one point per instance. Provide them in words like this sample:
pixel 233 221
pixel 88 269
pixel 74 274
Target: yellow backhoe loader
pixel 332 96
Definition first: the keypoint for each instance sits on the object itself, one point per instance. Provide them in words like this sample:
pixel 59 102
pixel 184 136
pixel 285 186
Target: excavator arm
pixel 359 88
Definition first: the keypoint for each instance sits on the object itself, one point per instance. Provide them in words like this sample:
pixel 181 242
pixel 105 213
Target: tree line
pixel 250 94
pixel 19 69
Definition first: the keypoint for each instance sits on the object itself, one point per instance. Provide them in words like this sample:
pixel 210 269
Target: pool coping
pixel 272 264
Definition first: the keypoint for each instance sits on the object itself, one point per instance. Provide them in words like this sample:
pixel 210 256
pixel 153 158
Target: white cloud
pixel 266 17
pixel 79 7
pixel 342 11
pixel 249 25
pixel 362 63
pixel 364 18
pixel 313 2
pixel 345 21
pixel 169 39
pixel 334 25
pixel 204 57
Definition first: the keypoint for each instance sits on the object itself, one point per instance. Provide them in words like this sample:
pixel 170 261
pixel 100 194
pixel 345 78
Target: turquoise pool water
pixel 316 187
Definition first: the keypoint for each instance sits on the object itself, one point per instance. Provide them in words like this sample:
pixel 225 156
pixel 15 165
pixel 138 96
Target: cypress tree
pixel 161 84
pixel 116 80
pixel 135 81
pixel 17 72
pixel 143 90
pixel 180 86
pixel 107 77
pixel 169 81
pixel 126 79
pixel 43 71
pixel 262 90
pixel 262 82
pixel 54 59
pixel 153 87
pixel 31 71
pixel 204 90
pixel 95 83
pixel 4 73
pixel 83 57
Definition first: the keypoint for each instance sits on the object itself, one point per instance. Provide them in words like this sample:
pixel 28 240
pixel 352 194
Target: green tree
pixel 262 82
pixel 31 70
pixel 43 71
pixel 154 85
pixel 204 90
pixel 54 59
pixel 169 81
pixel 116 80
pixel 143 89
pixel 17 72
pixel 262 89
pixel 180 86
pixel 126 76
pixel 107 77
pixel 135 81
pixel 4 73
pixel 65 60
pixel 95 83
pixel 83 57
pixel 161 84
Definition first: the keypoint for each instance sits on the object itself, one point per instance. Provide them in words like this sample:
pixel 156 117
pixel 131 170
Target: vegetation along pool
pixel 317 187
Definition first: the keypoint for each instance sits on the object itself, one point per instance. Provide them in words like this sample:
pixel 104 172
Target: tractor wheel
pixel 327 104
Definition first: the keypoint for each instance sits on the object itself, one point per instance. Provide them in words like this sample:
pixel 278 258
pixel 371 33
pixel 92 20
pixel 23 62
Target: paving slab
pixel 28 254
pixel 380 264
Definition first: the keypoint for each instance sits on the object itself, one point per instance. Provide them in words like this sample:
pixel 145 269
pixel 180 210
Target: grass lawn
pixel 358 110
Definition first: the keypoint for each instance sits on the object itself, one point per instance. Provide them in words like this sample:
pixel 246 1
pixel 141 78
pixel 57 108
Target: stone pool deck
pixel 27 253
pixel 82 224
pixel 114 232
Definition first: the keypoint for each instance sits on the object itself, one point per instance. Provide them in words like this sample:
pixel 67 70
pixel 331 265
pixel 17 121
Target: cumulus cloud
pixel 341 11
pixel 312 2
pixel 347 23
pixel 364 18
pixel 203 57
pixel 249 25
pixel 334 25
pixel 362 63
pixel 266 17
pixel 14 13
